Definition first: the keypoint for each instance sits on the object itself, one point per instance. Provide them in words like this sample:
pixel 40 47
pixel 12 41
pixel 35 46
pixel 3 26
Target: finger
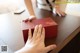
pixel 29 34
pixel 59 14
pixel 39 31
pixel 63 14
pixel 35 31
pixel 43 35
pixel 26 20
pixel 49 48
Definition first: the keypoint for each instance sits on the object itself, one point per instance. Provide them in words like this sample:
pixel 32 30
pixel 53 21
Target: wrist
pixel 57 7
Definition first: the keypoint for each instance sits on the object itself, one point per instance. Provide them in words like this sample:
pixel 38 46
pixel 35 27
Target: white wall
pixel 73 9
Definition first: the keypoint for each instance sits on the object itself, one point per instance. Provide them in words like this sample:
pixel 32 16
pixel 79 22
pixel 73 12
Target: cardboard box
pixel 51 27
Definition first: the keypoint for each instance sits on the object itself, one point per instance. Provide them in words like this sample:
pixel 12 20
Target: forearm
pixel 57 4
pixel 60 3
pixel 29 6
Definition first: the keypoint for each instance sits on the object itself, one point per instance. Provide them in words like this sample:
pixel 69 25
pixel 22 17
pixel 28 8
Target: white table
pixel 10 30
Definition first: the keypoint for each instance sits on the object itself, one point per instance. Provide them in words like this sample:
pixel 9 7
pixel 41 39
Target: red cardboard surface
pixel 49 24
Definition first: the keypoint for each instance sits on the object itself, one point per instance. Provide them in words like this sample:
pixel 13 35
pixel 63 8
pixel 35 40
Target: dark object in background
pixel 73 46
pixel 19 11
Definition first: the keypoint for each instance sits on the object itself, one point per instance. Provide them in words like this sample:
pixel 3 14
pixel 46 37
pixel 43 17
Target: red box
pixel 51 27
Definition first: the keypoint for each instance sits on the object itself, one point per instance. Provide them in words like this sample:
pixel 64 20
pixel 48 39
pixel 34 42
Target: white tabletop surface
pixel 10 30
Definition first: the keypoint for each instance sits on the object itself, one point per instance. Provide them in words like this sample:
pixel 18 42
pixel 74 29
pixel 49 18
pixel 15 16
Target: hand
pixel 59 12
pixel 30 18
pixel 35 43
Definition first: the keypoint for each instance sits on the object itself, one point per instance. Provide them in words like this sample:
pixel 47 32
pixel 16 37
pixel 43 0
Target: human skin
pixel 29 6
pixel 35 42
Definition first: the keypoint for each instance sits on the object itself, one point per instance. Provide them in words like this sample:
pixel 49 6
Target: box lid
pixel 44 21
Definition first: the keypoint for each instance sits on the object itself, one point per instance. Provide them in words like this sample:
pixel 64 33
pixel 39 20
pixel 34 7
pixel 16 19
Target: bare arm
pixel 57 8
pixel 59 2
pixel 29 6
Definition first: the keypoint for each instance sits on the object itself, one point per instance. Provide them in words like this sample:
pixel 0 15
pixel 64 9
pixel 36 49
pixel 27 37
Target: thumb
pixel 49 48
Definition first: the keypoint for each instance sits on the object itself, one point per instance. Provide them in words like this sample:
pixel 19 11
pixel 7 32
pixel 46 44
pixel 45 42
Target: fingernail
pixel 36 26
pixel 40 25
